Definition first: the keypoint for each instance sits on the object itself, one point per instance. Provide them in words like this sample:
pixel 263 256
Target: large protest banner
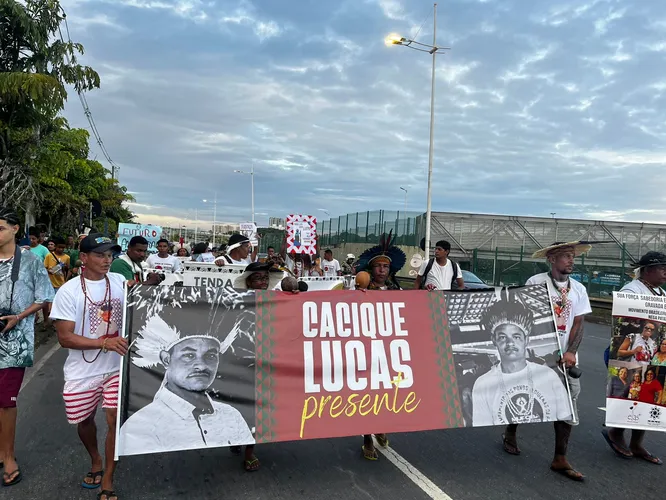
pixel 635 397
pixel 211 366
pixel 127 231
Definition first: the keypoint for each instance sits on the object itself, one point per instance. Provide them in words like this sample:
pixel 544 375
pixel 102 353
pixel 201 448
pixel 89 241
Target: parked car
pixel 473 282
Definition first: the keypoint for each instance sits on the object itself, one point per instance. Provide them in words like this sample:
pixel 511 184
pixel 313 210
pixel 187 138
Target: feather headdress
pixel 386 250
pixel 508 312
pixel 156 336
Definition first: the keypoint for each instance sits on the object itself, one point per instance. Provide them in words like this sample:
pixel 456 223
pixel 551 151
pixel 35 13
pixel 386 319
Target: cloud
pixel 543 107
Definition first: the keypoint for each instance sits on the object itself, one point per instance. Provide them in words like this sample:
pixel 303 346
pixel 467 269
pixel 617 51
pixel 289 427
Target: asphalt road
pixel 464 463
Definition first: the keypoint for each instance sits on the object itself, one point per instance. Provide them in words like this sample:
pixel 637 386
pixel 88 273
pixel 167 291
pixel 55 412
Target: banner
pixel 211 367
pixel 635 398
pixel 302 234
pixel 127 231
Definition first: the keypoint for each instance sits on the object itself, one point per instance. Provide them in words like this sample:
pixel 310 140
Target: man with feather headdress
pixel 382 263
pixel 182 415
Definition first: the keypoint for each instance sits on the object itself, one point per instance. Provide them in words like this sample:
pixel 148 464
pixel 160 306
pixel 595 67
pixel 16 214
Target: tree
pixel 36 63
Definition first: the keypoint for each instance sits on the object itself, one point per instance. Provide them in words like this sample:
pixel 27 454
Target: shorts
pixel 10 385
pixel 574 387
pixel 83 396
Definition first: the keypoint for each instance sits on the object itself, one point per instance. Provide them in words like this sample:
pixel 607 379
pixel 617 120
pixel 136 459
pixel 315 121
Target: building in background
pixel 276 222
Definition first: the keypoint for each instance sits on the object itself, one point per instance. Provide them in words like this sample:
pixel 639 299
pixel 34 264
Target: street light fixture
pixel 405 190
pixel 394 39
pixel 251 174
pixel 325 211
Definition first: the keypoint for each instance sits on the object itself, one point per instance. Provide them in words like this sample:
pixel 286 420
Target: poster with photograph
pixel 635 396
pixel 188 380
pixel 249 230
pixel 506 352
pixel 302 234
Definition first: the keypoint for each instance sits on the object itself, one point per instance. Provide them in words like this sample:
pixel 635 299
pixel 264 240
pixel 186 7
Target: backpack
pixel 429 268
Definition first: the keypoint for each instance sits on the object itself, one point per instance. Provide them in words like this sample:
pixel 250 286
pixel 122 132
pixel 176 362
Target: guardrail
pixel 596 302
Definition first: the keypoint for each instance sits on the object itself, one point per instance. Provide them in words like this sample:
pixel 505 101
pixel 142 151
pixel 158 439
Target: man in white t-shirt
pixel 439 273
pixel 516 391
pixel 650 277
pixel 239 252
pixel 329 265
pixel 163 260
pixel 88 312
pixel 570 304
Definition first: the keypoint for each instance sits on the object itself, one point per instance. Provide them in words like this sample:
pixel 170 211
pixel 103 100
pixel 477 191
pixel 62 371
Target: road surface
pixel 460 464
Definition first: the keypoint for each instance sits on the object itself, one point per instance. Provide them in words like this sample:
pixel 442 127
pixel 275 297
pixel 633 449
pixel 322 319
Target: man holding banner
pixel 571 304
pixel 650 277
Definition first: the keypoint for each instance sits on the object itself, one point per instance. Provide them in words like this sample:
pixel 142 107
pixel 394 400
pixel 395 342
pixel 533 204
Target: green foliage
pixel 44 165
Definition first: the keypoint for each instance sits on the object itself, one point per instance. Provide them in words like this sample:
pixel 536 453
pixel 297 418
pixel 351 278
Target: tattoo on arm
pixel 576 335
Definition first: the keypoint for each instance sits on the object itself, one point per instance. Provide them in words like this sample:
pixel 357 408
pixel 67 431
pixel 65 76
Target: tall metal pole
pixel 196 224
pixel 252 176
pixel 432 130
pixel 214 216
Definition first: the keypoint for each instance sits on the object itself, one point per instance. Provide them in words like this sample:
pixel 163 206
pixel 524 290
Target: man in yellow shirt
pixel 57 264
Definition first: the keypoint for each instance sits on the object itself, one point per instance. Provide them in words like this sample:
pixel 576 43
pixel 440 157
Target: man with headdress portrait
pixel 182 415
pixel 528 392
pixel 382 263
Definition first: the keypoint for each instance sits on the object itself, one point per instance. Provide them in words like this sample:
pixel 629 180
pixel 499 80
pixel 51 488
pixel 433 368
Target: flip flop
pixel 382 440
pixel 508 447
pixel 251 465
pixel 569 473
pixel 93 475
pixel 370 454
pixel 649 457
pixel 107 493
pixel 620 451
pixel 7 475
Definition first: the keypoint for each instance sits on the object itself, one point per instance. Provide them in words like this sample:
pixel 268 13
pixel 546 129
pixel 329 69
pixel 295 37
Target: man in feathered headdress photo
pixel 182 415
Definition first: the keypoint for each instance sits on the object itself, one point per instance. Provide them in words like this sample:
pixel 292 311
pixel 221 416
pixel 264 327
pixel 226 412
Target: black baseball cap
pixel 98 243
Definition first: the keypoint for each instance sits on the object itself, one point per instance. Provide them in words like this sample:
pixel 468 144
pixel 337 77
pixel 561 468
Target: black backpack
pixel 429 267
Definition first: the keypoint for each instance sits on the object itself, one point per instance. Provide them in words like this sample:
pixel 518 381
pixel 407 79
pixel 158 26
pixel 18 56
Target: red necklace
pixel 107 299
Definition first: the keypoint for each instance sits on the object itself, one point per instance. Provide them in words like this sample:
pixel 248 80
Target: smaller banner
pixel 302 234
pixel 635 396
pixel 249 230
pixel 128 231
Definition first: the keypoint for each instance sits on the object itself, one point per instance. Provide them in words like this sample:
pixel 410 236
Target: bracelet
pixel 104 349
pixel 18 318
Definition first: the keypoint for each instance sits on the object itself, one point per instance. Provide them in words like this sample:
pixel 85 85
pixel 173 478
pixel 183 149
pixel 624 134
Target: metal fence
pixel 367 227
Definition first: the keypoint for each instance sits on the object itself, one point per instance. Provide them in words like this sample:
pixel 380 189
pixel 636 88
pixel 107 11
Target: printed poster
pixel 212 367
pixel 128 231
pixel 635 396
pixel 302 234
pixel 249 230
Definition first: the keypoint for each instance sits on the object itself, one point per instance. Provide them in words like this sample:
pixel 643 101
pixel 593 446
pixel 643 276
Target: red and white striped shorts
pixel 82 397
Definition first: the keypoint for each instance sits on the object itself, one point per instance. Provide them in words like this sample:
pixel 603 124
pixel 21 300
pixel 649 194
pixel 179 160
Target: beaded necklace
pixel 107 299
pixel 651 288
pixel 561 304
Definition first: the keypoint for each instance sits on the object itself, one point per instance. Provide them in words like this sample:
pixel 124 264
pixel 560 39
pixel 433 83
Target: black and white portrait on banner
pixel 190 379
pixel 506 352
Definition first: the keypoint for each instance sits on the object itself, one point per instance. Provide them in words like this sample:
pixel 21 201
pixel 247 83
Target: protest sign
pixel 334 363
pixel 127 231
pixel 302 234
pixel 249 230
pixel 634 394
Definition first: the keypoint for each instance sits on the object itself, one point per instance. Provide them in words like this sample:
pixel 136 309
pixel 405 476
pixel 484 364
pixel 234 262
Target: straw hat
pixel 275 275
pixel 579 248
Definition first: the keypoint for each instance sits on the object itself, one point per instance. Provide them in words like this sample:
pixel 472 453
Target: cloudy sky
pixel 541 105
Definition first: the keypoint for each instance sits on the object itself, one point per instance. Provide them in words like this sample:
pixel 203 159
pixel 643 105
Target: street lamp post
pixel 251 174
pixel 214 215
pixel 431 49
pixel 405 190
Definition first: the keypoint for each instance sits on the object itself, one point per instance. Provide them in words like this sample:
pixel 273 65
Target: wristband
pixel 18 318
pixel 104 349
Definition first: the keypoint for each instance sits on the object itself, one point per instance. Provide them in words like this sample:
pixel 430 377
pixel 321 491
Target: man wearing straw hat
pixel 570 304
pixel 650 277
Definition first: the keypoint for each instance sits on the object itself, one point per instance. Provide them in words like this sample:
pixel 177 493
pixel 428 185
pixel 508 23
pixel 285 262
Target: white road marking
pixel 425 484
pixel 602 408
pixel 31 372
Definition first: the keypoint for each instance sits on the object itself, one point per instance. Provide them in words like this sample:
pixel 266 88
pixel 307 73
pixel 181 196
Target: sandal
pixel 619 450
pixel 369 454
pixel 382 440
pixel 93 475
pixel 649 457
pixel 15 480
pixel 511 449
pixel 109 494
pixel 570 473
pixel 251 465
